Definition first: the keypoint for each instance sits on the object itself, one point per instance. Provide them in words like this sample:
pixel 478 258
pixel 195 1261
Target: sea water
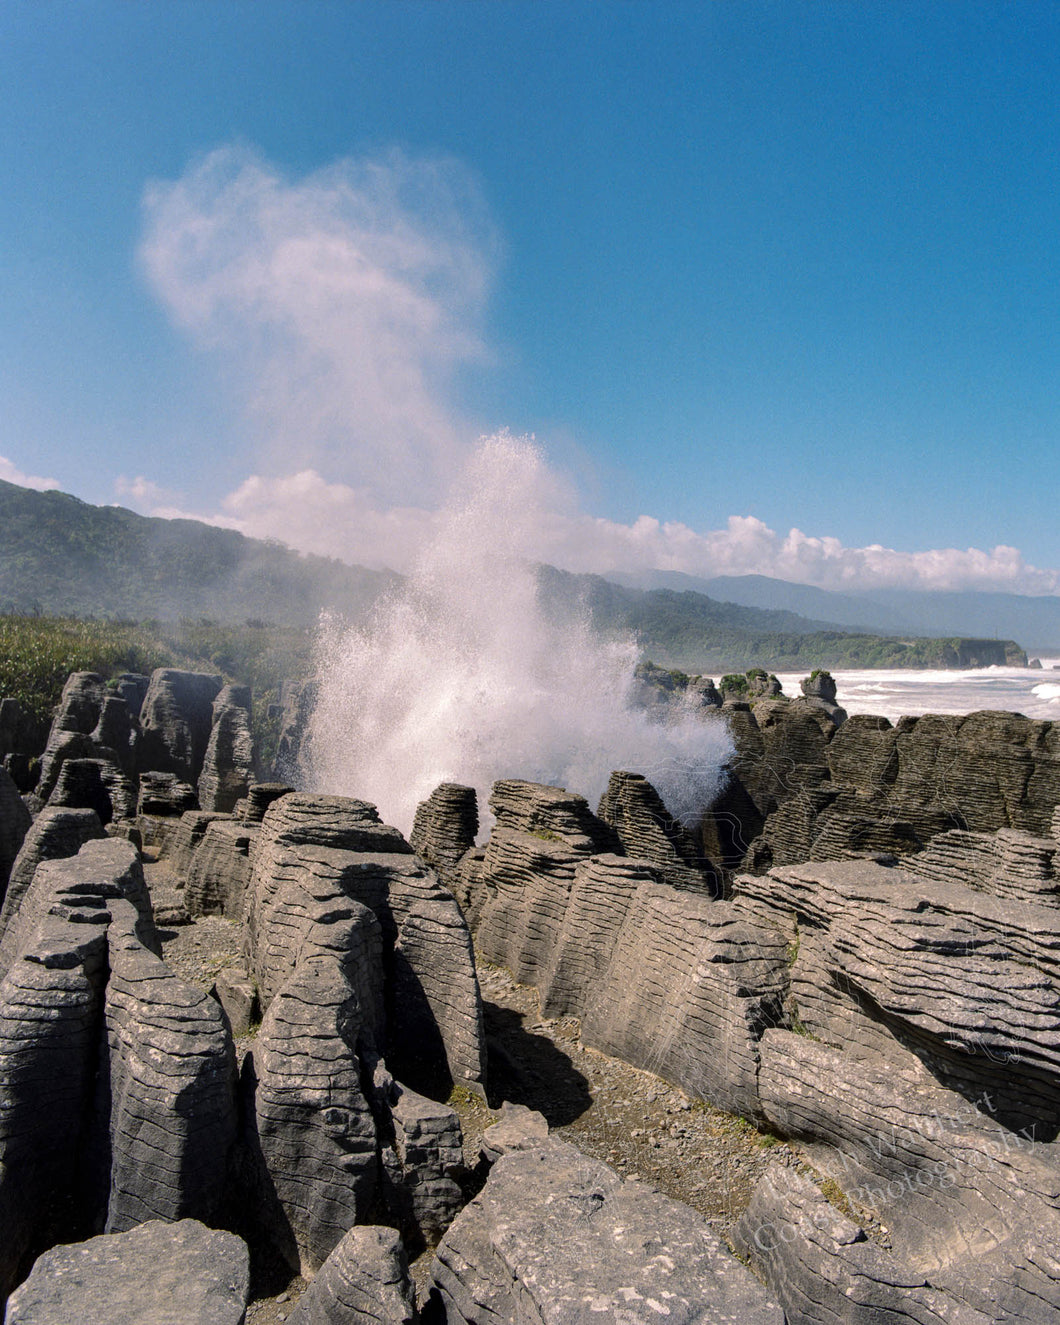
pixel 895 694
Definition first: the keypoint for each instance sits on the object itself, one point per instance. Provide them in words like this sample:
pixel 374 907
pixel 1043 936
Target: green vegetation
pixel 38 653
pixel 696 634
pixel 62 557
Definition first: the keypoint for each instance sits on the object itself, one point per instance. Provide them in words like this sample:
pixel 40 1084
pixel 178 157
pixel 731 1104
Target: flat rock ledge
pixel 155 1274
pixel 557 1236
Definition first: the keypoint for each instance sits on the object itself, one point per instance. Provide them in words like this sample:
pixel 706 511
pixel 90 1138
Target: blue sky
pixel 741 269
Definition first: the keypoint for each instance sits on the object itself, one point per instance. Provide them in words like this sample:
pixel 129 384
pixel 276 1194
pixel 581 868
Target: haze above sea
pixel 896 694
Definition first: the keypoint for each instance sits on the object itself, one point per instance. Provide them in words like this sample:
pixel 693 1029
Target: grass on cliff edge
pixel 38 653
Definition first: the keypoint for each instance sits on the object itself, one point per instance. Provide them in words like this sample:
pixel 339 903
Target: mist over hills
pixel 64 557
pixel 1034 621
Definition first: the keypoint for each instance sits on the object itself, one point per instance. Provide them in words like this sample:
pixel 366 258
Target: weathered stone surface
pixel 365 1281
pixel 81 886
pixel 969 1204
pixel 115 733
pixel 228 765
pixel 56 832
pixel 823 1268
pixel 157 1274
pixel 665 978
pixel 186 839
pixel 469 885
pixel 219 873
pixel 517 1128
pixel 260 796
pixel 556 1236
pixel 423 1191
pixel 688 990
pixel 164 795
pixel 50 1012
pixel 445 827
pixel 234 990
pixel 311 1129
pixel 601 894
pixel 90 723
pixel 171 1069
pixel 176 721
pixel 299 699
pixel 132 687
pixel 868 785
pixel 553 813
pixel 1008 863
pixel 96 784
pixel 891 965
pixel 647 831
pixel 14 825
pixel 317 857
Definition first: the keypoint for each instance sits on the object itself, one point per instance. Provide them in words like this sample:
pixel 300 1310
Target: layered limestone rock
pixel 298 700
pixel 970 1206
pixel 661 975
pixel 81 885
pixel 320 857
pixel 553 813
pixel 556 1235
pixel 186 838
pixel 311 1130
pixel 800 787
pixel 445 827
pixel 887 964
pixel 648 831
pixel 665 978
pixel 152 1275
pixel 822 1267
pixel 90 724
pixel 365 1281
pixel 1009 864
pixel 259 797
pixel 228 764
pixel 14 825
pixel 51 1002
pixel 55 833
pixel 219 872
pixel 171 1076
pixel 176 721
pixel 540 835
pixel 96 784
pixel 427 1145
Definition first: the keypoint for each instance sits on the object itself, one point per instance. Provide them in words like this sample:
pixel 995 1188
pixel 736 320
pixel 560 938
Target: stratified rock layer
pixel 445 827
pixel 176 721
pixel 823 1268
pixel 365 1281
pixel 228 764
pixel 171 1072
pixel 555 1235
pixel 648 831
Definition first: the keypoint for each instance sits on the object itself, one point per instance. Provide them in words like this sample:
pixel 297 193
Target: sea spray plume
pixel 462 676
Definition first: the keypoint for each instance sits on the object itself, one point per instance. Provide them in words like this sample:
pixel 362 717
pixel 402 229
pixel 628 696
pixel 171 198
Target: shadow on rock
pixel 529 1069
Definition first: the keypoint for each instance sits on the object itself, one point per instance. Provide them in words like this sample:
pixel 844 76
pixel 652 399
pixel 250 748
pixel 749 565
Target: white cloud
pixel 329 519
pixel 10 473
pixel 334 519
pixel 342 304
pixel 747 546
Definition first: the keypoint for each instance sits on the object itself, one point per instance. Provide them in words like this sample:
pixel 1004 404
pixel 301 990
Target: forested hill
pixel 695 633
pixel 64 557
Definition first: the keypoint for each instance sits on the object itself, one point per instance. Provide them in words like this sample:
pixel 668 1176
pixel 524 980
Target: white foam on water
pixel 909 693
pixel 461 676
